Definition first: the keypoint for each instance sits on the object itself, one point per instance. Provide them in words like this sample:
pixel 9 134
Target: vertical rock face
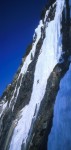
pixel 26 106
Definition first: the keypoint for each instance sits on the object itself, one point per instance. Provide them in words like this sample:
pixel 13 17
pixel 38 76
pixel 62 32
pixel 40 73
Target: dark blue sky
pixel 18 20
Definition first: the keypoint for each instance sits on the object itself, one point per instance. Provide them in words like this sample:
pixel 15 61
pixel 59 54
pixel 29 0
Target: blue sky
pixel 18 20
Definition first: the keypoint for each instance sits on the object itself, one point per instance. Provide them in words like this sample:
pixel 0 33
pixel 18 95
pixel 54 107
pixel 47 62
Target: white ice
pixel 28 58
pixel 26 63
pixel 48 58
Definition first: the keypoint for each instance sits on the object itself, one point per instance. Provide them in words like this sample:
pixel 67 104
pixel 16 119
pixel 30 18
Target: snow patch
pixel 3 106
